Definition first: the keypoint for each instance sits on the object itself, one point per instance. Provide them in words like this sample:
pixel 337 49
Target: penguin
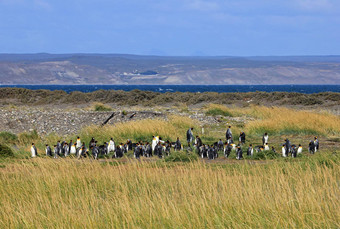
pixel 233 146
pixel 311 147
pixel 227 150
pixel 266 147
pixel 136 152
pixel 62 149
pixel 73 149
pixel 81 151
pixel 190 136
pixel 265 138
pixel 294 152
pixel 55 151
pixel 250 150
pixel 59 147
pixel 242 138
pixel 129 145
pixel 34 152
pixel 48 150
pixel 229 134
pixel 148 149
pixel 79 144
pixel 154 143
pixel 66 149
pixel 288 146
pixel 92 143
pixel 111 146
pixel 316 144
pixel 220 145
pixel 70 144
pixel 95 152
pixel 299 151
pixel 239 153
pixel 211 153
pixel 284 150
pixel 178 145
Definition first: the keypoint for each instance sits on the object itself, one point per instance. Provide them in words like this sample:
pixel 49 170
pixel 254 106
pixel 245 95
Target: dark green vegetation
pixel 5 151
pixel 217 111
pixel 101 107
pixel 20 96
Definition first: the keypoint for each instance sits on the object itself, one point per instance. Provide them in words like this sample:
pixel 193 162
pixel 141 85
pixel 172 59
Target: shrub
pixel 180 156
pixel 5 151
pixel 218 111
pixel 101 107
pixel 265 155
pixel 8 137
pixel 28 137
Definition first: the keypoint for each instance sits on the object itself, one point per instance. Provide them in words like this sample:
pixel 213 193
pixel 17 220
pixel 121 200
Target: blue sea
pixel 307 89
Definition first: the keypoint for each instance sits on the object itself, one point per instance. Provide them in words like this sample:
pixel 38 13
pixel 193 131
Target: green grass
pixel 101 107
pixel 218 111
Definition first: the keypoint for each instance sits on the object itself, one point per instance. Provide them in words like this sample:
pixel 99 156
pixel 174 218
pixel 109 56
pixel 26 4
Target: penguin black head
pixel 250 145
pixel 46 144
pixel 192 128
pixel 229 126
pixel 32 144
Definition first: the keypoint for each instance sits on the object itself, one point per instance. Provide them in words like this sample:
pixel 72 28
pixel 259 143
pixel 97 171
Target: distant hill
pixel 46 68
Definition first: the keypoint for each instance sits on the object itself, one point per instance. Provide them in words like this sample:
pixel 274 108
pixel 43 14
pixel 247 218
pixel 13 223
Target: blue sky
pixel 171 27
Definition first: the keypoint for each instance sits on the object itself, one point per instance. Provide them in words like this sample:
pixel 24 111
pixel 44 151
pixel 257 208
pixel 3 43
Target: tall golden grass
pixel 281 120
pixel 176 126
pixel 46 193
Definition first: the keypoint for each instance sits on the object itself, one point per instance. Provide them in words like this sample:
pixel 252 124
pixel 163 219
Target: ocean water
pixel 307 89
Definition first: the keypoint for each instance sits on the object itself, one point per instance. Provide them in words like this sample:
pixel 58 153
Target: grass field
pixel 47 193
pixel 298 192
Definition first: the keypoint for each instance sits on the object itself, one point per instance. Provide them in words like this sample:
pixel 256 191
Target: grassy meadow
pixel 298 192
pixel 47 193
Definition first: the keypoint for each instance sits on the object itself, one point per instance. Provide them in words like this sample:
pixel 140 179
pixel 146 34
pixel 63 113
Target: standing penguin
pixel 265 138
pixel 34 152
pixel 316 144
pixel 250 150
pixel 299 151
pixel 111 147
pixel 70 144
pixel 190 135
pixel 78 142
pixel 239 153
pixel 294 151
pixel 288 147
pixel 242 138
pixel 73 149
pixel 211 153
pixel 229 134
pixel 48 150
pixel 178 145
pixel 55 151
pixel 66 149
pixel 284 150
pixel 154 143
pixel 311 147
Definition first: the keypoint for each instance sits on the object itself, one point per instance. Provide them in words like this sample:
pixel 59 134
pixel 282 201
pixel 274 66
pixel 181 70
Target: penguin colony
pixel 161 148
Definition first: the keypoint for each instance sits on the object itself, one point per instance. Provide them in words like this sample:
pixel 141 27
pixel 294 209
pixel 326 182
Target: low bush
pixel 180 156
pixel 218 111
pixel 5 151
pixel 8 137
pixel 101 107
pixel 28 137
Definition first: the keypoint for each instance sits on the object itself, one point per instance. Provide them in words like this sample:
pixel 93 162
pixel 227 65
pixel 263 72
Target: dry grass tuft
pixel 46 193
